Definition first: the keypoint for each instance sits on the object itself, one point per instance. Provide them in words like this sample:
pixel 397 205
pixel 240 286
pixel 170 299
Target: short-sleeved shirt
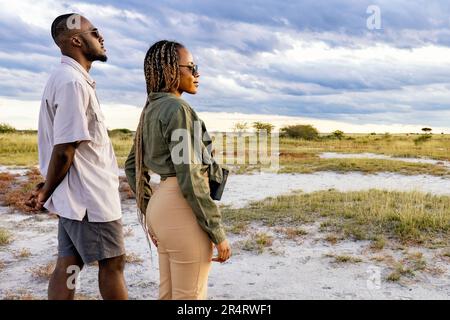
pixel 70 112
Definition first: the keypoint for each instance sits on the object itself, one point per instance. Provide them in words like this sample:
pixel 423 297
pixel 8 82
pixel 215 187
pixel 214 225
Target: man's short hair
pixel 60 26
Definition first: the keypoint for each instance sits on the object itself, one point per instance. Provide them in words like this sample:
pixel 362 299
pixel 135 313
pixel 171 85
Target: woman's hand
pixel 223 251
pixel 154 239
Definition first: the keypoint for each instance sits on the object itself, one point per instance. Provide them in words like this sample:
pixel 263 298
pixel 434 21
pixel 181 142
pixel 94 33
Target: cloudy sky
pixel 313 61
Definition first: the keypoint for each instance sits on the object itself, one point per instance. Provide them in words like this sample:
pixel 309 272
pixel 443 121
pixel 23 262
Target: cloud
pixel 294 58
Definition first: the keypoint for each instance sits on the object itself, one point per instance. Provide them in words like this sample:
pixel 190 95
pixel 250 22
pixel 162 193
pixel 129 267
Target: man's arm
pixel 60 162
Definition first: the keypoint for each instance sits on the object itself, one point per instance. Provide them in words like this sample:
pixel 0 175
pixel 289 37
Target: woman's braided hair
pixel 162 74
pixel 161 69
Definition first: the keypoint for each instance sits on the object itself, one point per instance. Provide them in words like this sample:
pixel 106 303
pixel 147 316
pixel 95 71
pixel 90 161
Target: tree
pixel 299 131
pixel 5 128
pixel 338 134
pixel 240 127
pixel 427 130
pixel 263 126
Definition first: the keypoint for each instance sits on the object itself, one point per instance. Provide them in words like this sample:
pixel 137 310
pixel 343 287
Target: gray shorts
pixel 92 241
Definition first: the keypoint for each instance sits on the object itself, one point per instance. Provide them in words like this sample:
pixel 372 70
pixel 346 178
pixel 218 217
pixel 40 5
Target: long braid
pixel 162 74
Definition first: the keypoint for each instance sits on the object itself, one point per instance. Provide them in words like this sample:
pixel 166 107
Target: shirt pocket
pixel 97 128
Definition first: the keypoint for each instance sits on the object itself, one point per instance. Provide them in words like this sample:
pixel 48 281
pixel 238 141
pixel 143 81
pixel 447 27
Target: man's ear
pixel 74 41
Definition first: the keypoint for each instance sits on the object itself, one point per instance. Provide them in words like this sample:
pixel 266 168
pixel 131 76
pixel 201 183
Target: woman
pixel 181 218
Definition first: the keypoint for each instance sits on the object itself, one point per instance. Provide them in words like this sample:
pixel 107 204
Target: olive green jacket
pixel 169 125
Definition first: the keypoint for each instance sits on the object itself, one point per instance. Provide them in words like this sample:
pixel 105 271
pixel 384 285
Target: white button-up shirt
pixel 70 112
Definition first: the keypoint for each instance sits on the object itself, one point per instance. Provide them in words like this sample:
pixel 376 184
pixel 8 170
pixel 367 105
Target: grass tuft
pixel 257 242
pixel 43 272
pixel 133 258
pixel 22 253
pixel 5 237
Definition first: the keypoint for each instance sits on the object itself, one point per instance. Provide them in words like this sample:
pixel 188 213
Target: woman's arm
pixel 180 137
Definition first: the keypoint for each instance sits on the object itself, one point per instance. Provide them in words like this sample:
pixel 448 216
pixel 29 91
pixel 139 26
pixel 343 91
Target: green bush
pixel 5 128
pixel 422 138
pixel 299 131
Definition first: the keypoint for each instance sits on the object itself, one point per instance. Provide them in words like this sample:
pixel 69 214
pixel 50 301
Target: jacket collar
pixel 158 95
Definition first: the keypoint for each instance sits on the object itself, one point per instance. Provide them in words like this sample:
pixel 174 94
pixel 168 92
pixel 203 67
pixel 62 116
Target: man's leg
pixel 111 280
pixel 60 286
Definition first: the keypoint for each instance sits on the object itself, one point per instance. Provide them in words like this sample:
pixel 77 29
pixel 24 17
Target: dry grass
pixel 81 296
pixel 5 237
pixel 378 243
pixel 368 166
pixel 19 191
pixel 294 233
pixel 21 294
pixel 399 145
pixel 21 149
pixel 18 149
pixel 410 217
pixel 408 266
pixel 446 254
pixel 43 272
pixel 300 156
pixel 237 227
pixel 344 258
pixel 6 180
pixel 257 242
pixel 128 232
pixel 332 238
pixel 133 258
pixel 22 253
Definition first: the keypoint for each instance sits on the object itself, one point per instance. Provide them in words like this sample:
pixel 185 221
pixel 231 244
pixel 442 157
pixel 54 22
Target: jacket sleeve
pixel 190 171
pixel 130 169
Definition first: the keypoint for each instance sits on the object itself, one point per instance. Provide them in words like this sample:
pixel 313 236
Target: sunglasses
pixel 193 67
pixel 94 31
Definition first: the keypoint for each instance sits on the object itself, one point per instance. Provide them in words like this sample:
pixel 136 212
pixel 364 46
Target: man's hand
pixel 60 162
pixel 223 251
pixel 37 199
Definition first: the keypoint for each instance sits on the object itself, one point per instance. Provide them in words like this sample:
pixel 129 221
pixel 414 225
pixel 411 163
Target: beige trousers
pixel 184 249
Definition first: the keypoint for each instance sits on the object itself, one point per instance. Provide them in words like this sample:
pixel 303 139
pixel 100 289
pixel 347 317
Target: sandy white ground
pixel 290 269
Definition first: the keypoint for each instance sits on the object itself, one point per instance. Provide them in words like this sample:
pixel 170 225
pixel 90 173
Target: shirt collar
pixel 74 64
pixel 158 95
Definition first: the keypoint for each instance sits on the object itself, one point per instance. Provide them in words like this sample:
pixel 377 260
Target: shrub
pixel 120 130
pixel 307 132
pixel 120 133
pixel 5 128
pixel 422 138
pixel 338 134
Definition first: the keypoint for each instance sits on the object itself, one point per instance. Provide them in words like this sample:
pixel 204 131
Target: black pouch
pixel 216 189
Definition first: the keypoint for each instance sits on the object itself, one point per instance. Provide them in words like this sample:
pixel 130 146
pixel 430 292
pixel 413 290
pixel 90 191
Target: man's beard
pixel 93 56
pixel 96 57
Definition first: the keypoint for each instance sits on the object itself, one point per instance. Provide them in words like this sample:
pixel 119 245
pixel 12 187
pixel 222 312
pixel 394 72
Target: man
pixel 77 159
